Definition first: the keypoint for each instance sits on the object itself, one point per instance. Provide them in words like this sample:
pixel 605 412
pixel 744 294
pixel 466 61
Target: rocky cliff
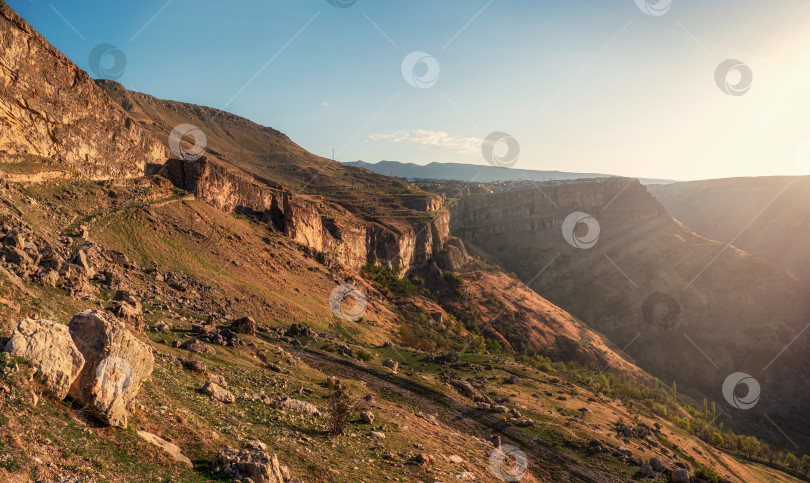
pixel 52 112
pixel 722 310
pixel 330 230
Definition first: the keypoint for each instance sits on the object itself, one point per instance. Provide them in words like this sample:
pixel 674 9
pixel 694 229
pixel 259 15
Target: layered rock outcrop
pixel 52 112
pixel 335 233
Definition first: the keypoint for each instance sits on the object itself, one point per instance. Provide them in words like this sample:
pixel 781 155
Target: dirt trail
pixel 453 413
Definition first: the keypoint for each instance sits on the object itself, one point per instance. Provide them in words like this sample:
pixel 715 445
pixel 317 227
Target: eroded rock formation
pixel 337 234
pixel 52 112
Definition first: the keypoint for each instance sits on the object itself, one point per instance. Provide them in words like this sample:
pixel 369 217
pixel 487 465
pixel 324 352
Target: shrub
pixel 707 474
pixel 340 409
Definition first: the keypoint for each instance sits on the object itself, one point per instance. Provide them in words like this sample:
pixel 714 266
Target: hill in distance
pixel 475 173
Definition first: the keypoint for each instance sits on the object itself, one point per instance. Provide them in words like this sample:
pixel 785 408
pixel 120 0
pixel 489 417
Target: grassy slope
pixel 278 285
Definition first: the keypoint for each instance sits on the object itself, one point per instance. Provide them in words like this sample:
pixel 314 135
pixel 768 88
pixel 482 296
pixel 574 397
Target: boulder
pixel 196 366
pixel 116 365
pixel 259 466
pixel 367 417
pixel 128 308
pixel 216 392
pixel 48 277
pixel 297 330
pixel 16 256
pixel 80 259
pixel 454 255
pixel 468 390
pixel 393 365
pixel 169 448
pixel 197 347
pixel 298 406
pixel 47 345
pixel 679 475
pixel 245 325
pixel 14 239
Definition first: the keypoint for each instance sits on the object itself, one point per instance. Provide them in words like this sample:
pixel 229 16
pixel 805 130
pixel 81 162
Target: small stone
pixel 393 365
pixel 367 417
pixel 171 449
pixel 218 393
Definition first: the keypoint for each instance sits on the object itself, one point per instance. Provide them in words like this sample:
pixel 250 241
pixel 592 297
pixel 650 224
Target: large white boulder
pixel 116 364
pixel 47 345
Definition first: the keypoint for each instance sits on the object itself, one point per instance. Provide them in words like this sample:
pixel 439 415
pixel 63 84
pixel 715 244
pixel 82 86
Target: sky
pixel 613 86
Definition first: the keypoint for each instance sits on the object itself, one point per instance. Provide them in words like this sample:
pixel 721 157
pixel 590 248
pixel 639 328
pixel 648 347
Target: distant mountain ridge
pixel 476 173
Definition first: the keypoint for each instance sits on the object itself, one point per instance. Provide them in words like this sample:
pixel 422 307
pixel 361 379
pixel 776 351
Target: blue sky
pixel 594 86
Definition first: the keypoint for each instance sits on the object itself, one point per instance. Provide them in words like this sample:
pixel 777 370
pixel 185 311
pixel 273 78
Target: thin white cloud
pixel 435 140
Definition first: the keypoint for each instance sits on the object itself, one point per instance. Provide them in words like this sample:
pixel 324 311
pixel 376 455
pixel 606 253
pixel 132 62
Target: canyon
pixel 732 311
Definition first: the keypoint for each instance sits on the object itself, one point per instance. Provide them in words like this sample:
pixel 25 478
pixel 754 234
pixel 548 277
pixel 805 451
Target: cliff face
pixel 739 309
pixel 52 112
pixel 767 216
pixel 337 235
pixel 479 218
